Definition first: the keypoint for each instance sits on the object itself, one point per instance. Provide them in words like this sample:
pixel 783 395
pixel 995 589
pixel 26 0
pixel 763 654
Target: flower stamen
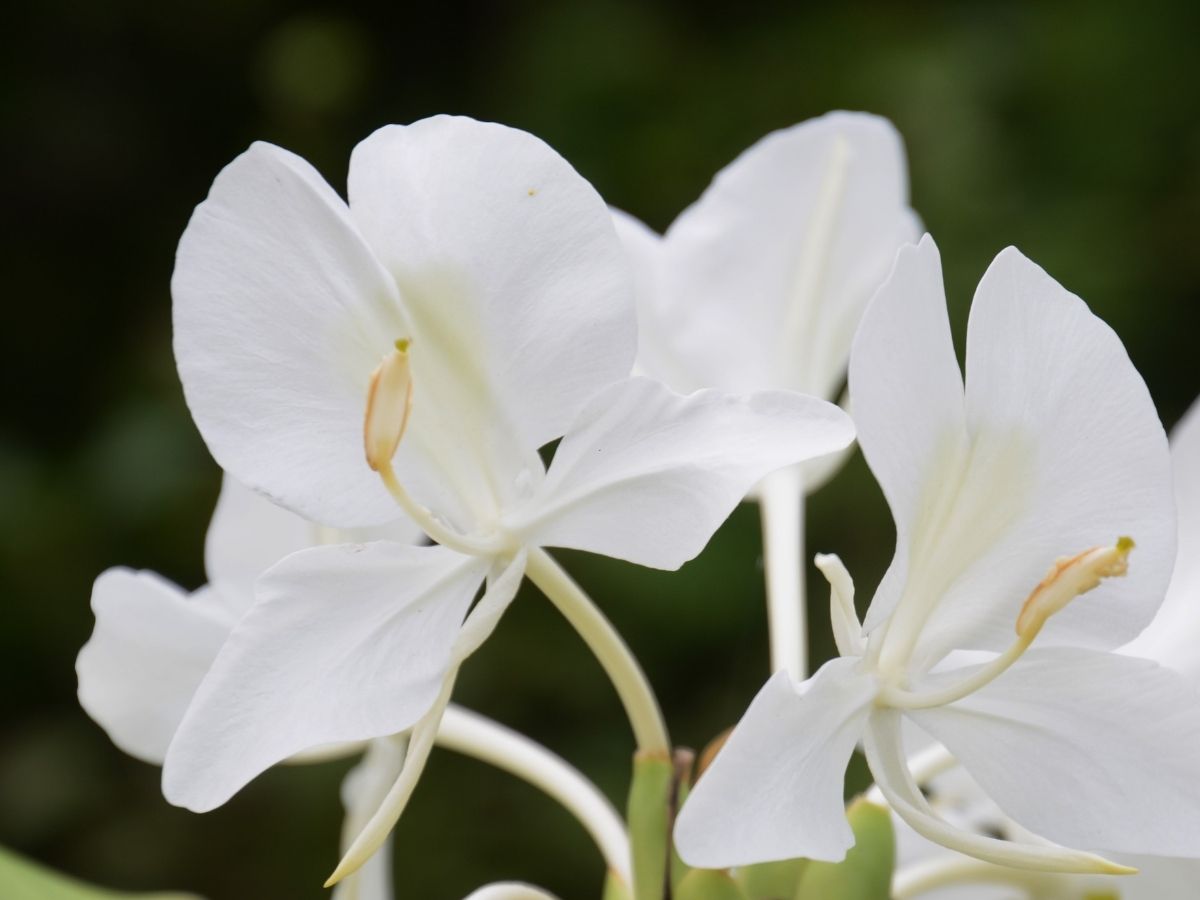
pixel 389 402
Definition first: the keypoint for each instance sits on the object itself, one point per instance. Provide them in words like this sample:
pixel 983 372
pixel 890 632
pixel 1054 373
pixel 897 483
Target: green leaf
pixel 22 879
pixel 771 881
pixel 866 872
pixel 708 884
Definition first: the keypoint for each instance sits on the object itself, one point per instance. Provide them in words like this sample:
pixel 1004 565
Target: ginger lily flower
pixel 469 305
pixel 1051 451
pixel 775 264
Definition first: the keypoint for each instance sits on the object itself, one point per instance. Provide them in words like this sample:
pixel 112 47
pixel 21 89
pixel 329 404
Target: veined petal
pixel 150 649
pixel 248 534
pixel 906 395
pixel 343 643
pixel 778 258
pixel 1117 737
pixel 775 789
pixel 281 314
pixel 1172 637
pixel 363 790
pixel 648 475
pixel 513 278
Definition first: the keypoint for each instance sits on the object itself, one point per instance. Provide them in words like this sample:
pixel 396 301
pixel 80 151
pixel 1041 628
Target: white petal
pixel 1172 637
pixel 775 263
pixel 648 475
pixel 1119 737
pixel 1066 435
pixel 281 314
pixel 510 890
pixel 149 651
pixel 343 643
pixel 775 789
pixel 906 396
pixel 511 271
pixel 363 789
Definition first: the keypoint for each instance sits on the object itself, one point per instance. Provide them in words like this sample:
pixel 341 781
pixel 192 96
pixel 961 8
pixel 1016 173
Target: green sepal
pixel 684 762
pixel 708 884
pixel 771 881
pixel 649 823
pixel 23 879
pixel 615 889
pixel 866 872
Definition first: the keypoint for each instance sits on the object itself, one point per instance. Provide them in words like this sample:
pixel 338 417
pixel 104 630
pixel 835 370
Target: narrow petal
pixel 363 790
pixel 1171 638
pixel 885 755
pixel 906 395
pixel 1118 736
pixel 150 649
pixel 281 314
pixel 513 276
pixel 775 789
pixel 343 643
pixel 648 475
pixel 778 258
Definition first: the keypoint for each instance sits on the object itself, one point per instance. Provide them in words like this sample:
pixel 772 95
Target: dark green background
pixel 1072 131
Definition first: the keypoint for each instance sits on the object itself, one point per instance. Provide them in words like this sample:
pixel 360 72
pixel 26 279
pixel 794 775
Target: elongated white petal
pixel 343 643
pixel 510 890
pixel 363 790
pixel 885 755
pixel 648 475
pixel 1063 424
pixel 1172 638
pixel 906 395
pixel 150 649
pixel 1119 737
pixel 281 314
pixel 778 258
pixel 502 588
pixel 775 789
pixel 512 273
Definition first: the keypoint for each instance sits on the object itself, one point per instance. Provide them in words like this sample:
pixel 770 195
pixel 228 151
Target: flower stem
pixel 476 736
pixel 641 706
pixel 931 874
pixel 781 497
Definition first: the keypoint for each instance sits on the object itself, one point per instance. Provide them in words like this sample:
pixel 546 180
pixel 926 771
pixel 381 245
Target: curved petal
pixel 151 648
pixel 1118 736
pixel 906 396
pixel 248 534
pixel 1172 637
pixel 363 790
pixel 510 890
pixel 281 313
pixel 343 643
pixel 648 475
pixel 1070 453
pixel 778 258
pixel 775 789
pixel 513 278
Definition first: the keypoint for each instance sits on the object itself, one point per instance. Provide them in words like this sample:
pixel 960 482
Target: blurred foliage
pixel 1069 129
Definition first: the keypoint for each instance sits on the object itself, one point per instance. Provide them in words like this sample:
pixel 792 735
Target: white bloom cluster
pixel 380 379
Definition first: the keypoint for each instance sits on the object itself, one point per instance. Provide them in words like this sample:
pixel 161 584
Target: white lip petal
pixel 648 475
pixel 775 789
pixel 343 643
pixel 281 312
pixel 1118 736
pixel 150 649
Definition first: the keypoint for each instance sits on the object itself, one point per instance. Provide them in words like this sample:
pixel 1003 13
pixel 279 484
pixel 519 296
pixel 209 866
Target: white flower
pixel 469 305
pixel 1051 451
pixel 153 643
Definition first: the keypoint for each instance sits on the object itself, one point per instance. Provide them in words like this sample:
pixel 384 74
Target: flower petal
pixel 281 314
pixel 512 274
pixel 151 647
pixel 510 890
pixel 648 475
pixel 1118 736
pixel 343 643
pixel 1171 638
pixel 775 789
pixel 1071 455
pixel 906 396
pixel 777 260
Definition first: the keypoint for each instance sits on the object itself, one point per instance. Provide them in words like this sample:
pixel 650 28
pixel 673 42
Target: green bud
pixel 866 872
